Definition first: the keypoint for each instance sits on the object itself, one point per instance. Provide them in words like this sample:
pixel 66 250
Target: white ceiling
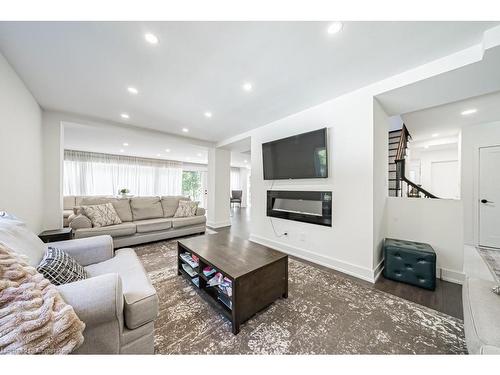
pixel 447 121
pixel 110 139
pixel 85 67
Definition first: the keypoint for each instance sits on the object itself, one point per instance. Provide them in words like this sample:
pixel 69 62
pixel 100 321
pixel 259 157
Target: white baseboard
pixel 219 224
pixel 451 276
pixel 338 265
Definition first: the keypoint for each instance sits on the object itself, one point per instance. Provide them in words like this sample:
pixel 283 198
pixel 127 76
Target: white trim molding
pixel 338 265
pixel 219 224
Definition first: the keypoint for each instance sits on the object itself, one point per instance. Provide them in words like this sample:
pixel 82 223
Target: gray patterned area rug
pixel 492 259
pixel 325 313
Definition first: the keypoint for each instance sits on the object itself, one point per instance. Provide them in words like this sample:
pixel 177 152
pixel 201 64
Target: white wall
pixel 381 127
pixel 358 199
pixel 348 244
pixel 474 137
pixel 219 161
pixel 437 222
pixel 21 186
pixel 426 158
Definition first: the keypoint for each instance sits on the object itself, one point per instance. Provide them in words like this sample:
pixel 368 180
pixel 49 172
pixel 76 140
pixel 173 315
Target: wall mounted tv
pixel 300 156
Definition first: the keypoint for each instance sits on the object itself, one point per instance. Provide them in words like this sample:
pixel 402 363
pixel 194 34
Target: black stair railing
pixel 401 164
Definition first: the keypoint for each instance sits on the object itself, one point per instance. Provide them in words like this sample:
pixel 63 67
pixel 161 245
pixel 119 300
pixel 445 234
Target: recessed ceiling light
pixel 122 150
pixel 185 130
pixel 199 154
pixel 125 144
pixel 132 90
pixel 208 114
pixel 469 111
pixel 246 161
pixel 188 158
pixel 247 86
pixel 426 146
pixel 125 116
pixel 335 27
pixel 167 150
pixel 435 135
pixel 158 155
pixel 151 38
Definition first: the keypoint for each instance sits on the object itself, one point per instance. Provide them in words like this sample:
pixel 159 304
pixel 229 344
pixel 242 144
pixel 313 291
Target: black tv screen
pixel 299 156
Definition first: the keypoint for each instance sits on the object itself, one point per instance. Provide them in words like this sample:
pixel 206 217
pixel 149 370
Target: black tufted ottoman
pixel 410 262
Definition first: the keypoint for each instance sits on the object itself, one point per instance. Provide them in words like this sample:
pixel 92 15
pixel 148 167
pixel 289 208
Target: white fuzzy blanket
pixel 34 319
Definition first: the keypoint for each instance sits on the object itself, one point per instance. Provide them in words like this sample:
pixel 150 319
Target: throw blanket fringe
pixel 34 319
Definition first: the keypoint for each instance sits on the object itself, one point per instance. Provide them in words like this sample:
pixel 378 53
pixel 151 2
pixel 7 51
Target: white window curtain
pixel 235 182
pixel 88 173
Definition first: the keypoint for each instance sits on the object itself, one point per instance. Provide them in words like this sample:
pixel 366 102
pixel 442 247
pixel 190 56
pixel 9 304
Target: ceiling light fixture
pixel 208 114
pixel 125 116
pixel 122 150
pixel 426 146
pixel 435 135
pixel 335 27
pixel 132 90
pixel 246 161
pixel 185 130
pixel 125 144
pixel 247 86
pixel 151 38
pixel 469 111
pixel 199 154
pixel 167 150
pixel 158 155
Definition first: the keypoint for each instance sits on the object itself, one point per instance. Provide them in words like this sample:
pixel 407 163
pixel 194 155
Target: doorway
pixel 489 196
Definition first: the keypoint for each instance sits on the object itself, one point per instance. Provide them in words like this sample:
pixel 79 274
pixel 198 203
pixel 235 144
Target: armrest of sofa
pixel 88 250
pixel 200 211
pixel 79 221
pixel 95 300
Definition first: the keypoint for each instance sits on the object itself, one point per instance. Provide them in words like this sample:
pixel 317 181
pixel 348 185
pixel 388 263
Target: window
pixel 194 186
pixel 88 173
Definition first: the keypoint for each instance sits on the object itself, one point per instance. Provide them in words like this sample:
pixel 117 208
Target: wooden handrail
pixel 400 160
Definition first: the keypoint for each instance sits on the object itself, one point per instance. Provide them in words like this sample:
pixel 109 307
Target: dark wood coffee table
pixel 259 275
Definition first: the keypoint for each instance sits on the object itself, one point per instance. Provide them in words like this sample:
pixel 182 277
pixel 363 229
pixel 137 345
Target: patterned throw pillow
pixel 59 268
pixel 101 215
pixel 186 209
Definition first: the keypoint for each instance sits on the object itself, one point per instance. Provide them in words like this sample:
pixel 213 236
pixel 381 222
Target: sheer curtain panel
pixel 88 173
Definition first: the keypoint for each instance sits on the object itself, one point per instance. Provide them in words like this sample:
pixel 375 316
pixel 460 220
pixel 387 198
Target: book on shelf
pixel 225 300
pixel 186 257
pixel 189 270
pixel 209 271
pixel 196 281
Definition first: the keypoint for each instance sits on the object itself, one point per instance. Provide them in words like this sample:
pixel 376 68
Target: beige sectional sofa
pixel 144 219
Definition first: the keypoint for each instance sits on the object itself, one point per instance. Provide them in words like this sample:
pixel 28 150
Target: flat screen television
pixel 300 156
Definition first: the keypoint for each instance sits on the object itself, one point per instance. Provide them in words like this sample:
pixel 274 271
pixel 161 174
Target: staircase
pixel 398 183
pixel 394 187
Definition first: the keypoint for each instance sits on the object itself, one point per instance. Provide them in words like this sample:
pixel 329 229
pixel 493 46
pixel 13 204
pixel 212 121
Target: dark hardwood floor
pixel 447 297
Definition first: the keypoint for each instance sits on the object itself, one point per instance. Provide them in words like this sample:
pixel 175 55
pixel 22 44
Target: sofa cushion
pixel 152 225
pixel 141 301
pixel 121 205
pixel 15 236
pixel 102 215
pixel 69 202
pixel 179 222
pixel 60 268
pixel 186 209
pixel 170 204
pixel 146 208
pixel 67 213
pixel 118 230
pixel 79 222
pixel 481 315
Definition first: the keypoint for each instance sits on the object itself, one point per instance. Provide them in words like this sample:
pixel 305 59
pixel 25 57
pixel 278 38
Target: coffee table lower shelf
pixel 251 292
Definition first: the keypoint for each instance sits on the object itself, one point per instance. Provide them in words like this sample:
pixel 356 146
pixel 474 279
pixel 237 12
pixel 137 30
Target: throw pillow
pixel 101 215
pixel 59 268
pixel 186 209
